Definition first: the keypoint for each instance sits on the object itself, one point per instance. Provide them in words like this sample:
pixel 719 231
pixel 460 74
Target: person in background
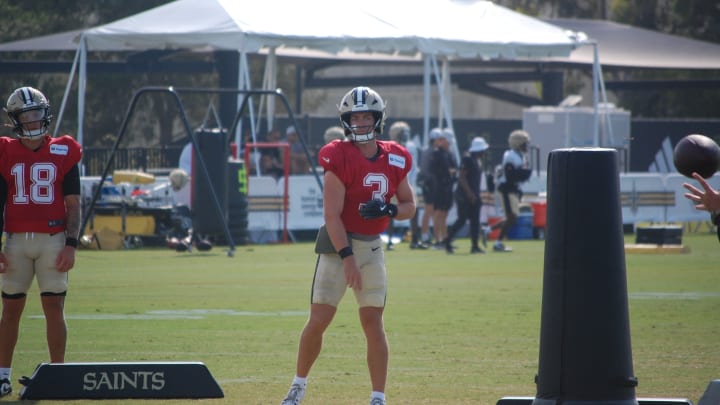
pixel 400 133
pixel 333 133
pixel 181 177
pixel 42 223
pixel 268 167
pixel 298 161
pixel 362 175
pixel 514 170
pixel 271 158
pixel 467 196
pixel 427 187
pixel 442 169
pixel 707 199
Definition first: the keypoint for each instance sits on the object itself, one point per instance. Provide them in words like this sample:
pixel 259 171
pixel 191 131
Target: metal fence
pixel 143 159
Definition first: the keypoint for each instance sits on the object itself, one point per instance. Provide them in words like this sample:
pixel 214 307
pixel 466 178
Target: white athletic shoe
pixel 377 401
pixel 500 247
pixel 295 395
pixel 5 387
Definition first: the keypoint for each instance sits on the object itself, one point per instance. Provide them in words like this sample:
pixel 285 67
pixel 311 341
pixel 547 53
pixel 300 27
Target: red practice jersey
pixel 365 179
pixel 35 200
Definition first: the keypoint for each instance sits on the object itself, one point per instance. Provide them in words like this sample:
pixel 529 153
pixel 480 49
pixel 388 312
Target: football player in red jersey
pixel 42 222
pixel 361 175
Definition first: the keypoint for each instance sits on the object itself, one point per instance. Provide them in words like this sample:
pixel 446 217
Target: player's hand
pixel 65 259
pixel 706 199
pixel 3 263
pixel 377 209
pixel 352 274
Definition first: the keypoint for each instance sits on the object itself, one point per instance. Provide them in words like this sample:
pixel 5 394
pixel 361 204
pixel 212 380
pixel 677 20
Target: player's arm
pixel 406 200
pixel 516 174
pixel 333 202
pixel 3 197
pixel 463 181
pixel 71 191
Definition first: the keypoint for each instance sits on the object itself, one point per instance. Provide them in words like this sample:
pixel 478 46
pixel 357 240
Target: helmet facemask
pixel 362 99
pixel 25 106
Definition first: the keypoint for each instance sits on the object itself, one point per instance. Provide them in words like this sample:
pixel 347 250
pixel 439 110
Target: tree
pixel 695 19
pixel 107 96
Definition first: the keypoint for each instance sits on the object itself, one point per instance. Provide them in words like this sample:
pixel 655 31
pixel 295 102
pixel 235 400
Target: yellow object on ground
pixel 140 225
pixel 132 176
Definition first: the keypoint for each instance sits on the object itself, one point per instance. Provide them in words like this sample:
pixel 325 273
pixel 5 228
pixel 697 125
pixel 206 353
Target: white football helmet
pixel 27 105
pixel 362 99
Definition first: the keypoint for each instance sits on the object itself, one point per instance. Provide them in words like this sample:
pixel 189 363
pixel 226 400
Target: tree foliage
pixel 108 95
pixel 696 19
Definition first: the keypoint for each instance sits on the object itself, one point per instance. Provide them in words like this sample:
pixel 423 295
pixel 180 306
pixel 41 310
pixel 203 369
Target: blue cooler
pixel 523 228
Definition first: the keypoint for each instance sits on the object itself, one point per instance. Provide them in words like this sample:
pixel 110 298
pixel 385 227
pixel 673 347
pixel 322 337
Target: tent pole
pixel 447 105
pixel 438 83
pixel 244 84
pixel 596 112
pixel 240 97
pixel 271 73
pixel 426 100
pixel 61 112
pixel 81 90
pixel 603 96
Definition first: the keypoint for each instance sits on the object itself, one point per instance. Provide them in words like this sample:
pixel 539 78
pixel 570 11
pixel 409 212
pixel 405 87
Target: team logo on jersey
pixel 396 160
pixel 56 149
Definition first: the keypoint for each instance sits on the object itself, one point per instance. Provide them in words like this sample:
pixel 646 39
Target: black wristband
pixel 345 252
pixel 392 210
pixel 715 217
pixel 72 242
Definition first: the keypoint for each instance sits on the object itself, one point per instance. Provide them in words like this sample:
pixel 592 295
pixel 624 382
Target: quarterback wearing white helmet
pixel 42 223
pixel 362 99
pixel 26 106
pixel 366 184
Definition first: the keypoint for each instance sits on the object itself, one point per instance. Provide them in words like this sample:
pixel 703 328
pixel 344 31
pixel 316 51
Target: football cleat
pixel 500 247
pixel 295 395
pixel 5 387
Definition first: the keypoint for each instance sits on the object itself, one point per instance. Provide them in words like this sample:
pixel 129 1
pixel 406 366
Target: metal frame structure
pixel 175 93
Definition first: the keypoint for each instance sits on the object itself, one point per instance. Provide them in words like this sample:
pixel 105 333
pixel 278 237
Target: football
pixel 696 153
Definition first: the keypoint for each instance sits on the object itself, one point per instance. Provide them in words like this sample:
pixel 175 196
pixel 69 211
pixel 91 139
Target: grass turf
pixel 463 329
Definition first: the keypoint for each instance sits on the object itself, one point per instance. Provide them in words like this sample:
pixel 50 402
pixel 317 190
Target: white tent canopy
pixel 441 31
pixel 449 27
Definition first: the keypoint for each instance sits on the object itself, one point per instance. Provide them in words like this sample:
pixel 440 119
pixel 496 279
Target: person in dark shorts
pixel 442 168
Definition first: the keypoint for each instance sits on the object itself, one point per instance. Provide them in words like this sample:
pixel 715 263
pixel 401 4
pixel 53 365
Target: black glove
pixel 377 209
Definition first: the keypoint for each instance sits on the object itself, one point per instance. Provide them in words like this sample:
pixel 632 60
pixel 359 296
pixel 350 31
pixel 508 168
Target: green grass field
pixel 463 329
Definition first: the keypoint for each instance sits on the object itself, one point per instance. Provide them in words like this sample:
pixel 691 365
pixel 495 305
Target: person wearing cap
pixel 514 170
pixel 425 184
pixel 442 170
pixel 467 196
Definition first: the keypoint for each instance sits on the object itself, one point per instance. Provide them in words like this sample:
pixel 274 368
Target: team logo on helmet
pixel 27 106
pixel 362 99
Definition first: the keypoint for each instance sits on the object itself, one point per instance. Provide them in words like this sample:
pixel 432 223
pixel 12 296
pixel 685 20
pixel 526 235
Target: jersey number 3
pixel 379 183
